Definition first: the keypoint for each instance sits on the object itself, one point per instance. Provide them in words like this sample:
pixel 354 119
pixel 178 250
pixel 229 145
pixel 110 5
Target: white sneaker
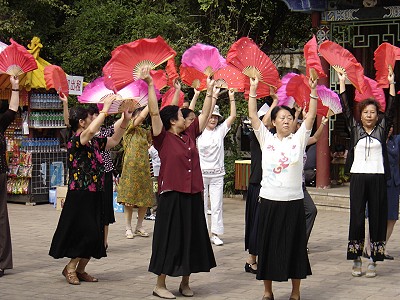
pixel 216 240
pixel 129 234
pixel 209 212
pixel 371 270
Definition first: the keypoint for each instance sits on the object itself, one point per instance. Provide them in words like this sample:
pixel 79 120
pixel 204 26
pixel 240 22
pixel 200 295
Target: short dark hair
pixel 167 114
pixel 186 112
pixel 92 109
pixel 369 101
pixel 276 109
pixel 75 114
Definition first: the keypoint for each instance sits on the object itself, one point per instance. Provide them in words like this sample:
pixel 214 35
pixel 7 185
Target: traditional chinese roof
pixel 30 80
pixel 306 5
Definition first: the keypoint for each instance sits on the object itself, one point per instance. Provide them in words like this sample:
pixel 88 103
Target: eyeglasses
pixel 289 118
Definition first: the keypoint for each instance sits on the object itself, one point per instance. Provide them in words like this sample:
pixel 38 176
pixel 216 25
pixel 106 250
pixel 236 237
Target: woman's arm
pixel 212 94
pixel 318 133
pixel 232 116
pixel 343 101
pixel 177 86
pixel 14 101
pixel 252 104
pixel 119 129
pixel 312 111
pixel 267 117
pixel 194 99
pixel 88 133
pixel 156 123
pixel 389 112
pixel 64 101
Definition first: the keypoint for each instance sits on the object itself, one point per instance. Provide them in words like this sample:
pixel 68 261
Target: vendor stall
pixel 36 160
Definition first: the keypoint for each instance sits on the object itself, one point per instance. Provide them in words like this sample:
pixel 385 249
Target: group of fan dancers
pixel 275 211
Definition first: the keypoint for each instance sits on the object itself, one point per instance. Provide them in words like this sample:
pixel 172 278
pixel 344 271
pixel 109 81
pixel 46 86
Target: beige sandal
pixel 141 232
pixel 71 277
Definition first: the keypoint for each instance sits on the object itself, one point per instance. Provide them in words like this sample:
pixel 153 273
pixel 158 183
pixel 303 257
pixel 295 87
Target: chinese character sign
pixel 75 84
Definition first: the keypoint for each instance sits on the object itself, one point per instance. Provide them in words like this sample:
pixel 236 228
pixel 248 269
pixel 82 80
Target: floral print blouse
pixel 85 164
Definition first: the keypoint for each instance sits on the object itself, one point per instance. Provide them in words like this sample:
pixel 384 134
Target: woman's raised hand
pixel 63 97
pixel 177 84
pixel 14 81
pixel 312 83
pixel 390 75
pixel 341 76
pixel 144 74
pixel 108 101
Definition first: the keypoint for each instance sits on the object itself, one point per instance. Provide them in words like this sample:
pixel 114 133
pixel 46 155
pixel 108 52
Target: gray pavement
pixel 123 274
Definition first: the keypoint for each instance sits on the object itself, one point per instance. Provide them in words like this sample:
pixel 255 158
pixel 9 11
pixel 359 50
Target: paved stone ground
pixel 123 274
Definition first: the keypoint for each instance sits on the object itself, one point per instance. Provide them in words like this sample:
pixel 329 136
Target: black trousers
pixel 6 261
pixel 367 189
pixel 311 212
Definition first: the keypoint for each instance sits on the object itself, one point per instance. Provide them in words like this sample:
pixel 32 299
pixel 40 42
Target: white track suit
pixel 211 150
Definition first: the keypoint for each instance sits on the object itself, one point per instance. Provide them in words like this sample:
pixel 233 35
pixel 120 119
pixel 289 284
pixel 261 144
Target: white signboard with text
pixel 75 84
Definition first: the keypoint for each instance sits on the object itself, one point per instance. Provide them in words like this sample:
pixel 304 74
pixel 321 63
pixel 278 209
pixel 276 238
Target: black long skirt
pixel 181 244
pixel 6 261
pixel 251 218
pixel 80 229
pixel 108 198
pixel 282 246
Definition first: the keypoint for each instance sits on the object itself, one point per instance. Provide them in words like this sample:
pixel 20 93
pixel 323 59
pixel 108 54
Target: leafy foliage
pixel 79 35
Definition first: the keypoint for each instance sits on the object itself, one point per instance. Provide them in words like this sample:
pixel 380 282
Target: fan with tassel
pixel 193 78
pixel 230 77
pixel 56 78
pixel 15 60
pixel 127 61
pixel 372 91
pixel 204 58
pixel 245 55
pixel 313 62
pixel 343 62
pixel 385 57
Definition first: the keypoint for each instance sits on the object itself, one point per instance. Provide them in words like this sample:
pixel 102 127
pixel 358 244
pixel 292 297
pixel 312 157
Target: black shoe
pixel 249 269
pixel 1 272
pixel 365 255
pixel 389 257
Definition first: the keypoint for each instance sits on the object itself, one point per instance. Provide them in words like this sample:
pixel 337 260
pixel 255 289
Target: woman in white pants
pixel 211 150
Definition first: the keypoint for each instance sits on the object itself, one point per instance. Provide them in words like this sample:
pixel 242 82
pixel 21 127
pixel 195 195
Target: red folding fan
pixel 169 96
pixel 245 55
pixel 344 62
pixel 193 78
pixel 313 62
pixel 372 91
pixel 172 74
pixel 232 77
pixel 298 88
pixel 16 60
pixel 127 60
pixel 385 56
pixel 159 78
pixel 56 78
pixel 203 58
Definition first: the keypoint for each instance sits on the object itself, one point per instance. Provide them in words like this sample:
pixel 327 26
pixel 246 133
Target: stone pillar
pixel 323 155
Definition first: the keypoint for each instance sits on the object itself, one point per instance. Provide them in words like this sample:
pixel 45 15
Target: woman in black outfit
pixel 5 236
pixel 80 231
